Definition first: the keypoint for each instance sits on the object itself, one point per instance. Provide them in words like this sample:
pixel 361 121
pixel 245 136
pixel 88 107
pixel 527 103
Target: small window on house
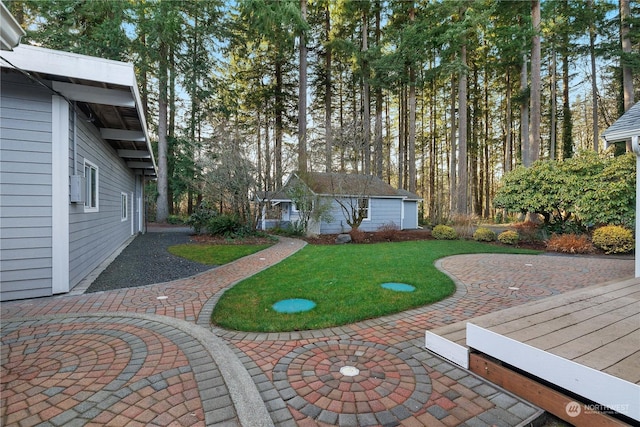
pixel 91 187
pixel 125 206
pixel 306 206
pixel 363 206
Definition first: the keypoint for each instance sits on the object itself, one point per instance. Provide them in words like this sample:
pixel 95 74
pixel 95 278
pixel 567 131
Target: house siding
pixel 383 211
pixel 96 235
pixel 27 233
pixel 25 189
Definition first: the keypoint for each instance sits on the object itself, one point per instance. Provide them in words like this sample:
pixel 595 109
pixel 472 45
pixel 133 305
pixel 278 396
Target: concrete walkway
pixel 148 356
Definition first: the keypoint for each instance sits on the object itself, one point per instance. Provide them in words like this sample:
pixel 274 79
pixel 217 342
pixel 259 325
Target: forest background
pixel 441 98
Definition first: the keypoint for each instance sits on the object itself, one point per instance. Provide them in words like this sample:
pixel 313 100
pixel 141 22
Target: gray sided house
pixel 74 156
pixel 381 204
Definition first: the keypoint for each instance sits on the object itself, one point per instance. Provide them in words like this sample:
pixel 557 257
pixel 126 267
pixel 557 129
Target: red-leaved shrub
pixel 570 244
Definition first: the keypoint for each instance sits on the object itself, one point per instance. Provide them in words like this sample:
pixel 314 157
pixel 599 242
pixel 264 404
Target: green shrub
pixel 228 226
pixel 613 239
pixel 528 231
pixel 175 220
pixel 200 218
pixel 508 237
pixel 444 232
pixel 483 234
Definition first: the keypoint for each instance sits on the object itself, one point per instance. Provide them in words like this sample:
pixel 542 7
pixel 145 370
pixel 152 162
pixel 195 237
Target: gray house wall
pixel 382 212
pixel 25 189
pixel 31 263
pixel 93 236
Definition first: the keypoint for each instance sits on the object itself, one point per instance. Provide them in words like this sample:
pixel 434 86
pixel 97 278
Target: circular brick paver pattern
pixel 162 295
pixel 130 365
pixel 106 371
pixel 383 388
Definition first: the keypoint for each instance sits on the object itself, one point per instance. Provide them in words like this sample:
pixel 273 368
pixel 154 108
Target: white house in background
pixel 625 129
pixel 74 157
pixel 383 205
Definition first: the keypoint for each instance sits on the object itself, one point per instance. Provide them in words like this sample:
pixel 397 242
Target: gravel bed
pixel 146 261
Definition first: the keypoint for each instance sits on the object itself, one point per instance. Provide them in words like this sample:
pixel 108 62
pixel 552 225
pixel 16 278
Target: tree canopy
pixel 437 97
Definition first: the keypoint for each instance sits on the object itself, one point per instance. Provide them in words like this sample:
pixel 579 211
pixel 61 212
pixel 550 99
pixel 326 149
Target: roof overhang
pixel 105 91
pixel 626 128
pixel 10 30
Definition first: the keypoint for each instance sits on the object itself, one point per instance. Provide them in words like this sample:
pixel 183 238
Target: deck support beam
pixel 550 400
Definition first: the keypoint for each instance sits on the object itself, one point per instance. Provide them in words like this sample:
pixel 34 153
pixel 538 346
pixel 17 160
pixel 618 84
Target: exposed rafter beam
pixel 140 165
pixel 134 154
pixel 122 135
pixel 95 95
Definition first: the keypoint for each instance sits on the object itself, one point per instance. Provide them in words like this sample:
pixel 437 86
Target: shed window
pixel 364 207
pixel 125 206
pixel 91 187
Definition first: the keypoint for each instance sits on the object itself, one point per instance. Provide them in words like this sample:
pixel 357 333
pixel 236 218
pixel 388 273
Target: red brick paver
pixel 110 369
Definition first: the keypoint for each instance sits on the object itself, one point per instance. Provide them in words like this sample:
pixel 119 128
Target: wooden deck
pixel 586 341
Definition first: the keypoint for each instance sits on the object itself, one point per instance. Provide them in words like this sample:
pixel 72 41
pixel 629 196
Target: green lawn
pixel 344 281
pixel 215 254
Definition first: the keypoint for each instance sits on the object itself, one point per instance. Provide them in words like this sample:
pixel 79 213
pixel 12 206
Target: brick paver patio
pixel 148 356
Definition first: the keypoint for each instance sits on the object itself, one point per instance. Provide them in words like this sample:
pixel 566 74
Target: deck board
pixel 582 345
pixel 598 327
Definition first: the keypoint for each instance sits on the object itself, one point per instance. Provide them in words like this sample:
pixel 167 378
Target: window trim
pixel 124 206
pixel 90 187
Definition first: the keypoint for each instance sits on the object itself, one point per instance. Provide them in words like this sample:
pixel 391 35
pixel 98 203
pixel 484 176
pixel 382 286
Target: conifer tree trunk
pixel 328 94
pixel 463 177
pixel 594 82
pixel 625 40
pixel 524 114
pixel 366 104
pixel 302 96
pixel 536 114
pixel 378 155
pixel 162 203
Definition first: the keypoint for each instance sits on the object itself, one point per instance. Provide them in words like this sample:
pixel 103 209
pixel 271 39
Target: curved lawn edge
pixel 344 282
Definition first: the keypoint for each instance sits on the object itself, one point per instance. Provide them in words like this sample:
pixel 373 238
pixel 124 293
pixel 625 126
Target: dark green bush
pixel 201 217
pixel 227 226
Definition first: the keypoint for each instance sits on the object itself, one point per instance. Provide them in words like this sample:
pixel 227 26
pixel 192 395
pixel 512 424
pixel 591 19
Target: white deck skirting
pixel 441 346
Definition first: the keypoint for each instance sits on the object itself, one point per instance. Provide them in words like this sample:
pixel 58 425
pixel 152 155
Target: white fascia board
pixel 10 30
pixel 143 121
pixel 623 135
pixel 73 65
pixel 95 95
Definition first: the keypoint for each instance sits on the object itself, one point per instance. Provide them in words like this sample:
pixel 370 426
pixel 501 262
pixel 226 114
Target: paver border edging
pixel 248 404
